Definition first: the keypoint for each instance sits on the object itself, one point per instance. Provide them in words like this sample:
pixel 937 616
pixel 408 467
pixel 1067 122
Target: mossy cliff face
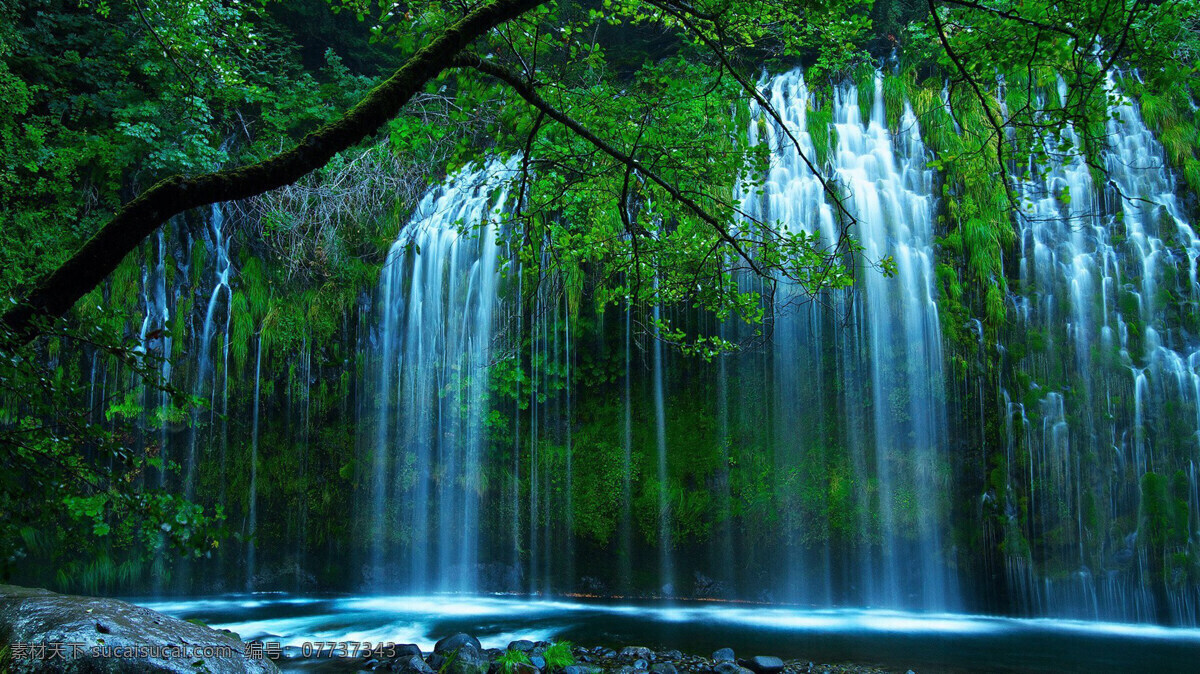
pixel 770 492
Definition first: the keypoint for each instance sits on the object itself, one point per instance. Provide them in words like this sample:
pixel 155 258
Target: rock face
pixel 66 633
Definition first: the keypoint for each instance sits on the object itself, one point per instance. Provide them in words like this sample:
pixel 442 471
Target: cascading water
pixel 840 416
pixel 438 299
pixel 205 369
pixel 876 418
pixel 1104 405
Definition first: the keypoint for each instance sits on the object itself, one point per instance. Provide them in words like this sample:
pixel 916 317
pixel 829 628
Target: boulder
pixel 466 660
pixel 537 661
pixel 763 664
pixel 523 645
pixel 46 631
pixel 641 663
pixel 455 642
pixel 662 668
pixel 404 650
pixel 724 655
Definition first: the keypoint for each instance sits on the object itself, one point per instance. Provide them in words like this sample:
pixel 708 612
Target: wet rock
pixel 663 668
pixel 634 653
pixel 404 650
pixel 537 661
pixel 455 642
pixel 763 664
pixel 410 664
pixel 466 660
pixel 728 667
pixel 492 654
pixel 580 669
pixel 436 660
pixel 523 645
pixel 42 619
pixel 672 655
pixel 641 663
pixel 724 655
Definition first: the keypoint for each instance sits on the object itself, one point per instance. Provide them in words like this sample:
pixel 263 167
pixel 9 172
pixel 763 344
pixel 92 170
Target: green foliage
pixel 511 661
pixel 559 656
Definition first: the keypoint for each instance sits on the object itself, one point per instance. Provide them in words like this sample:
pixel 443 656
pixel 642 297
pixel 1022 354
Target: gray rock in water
pixel 537 661
pixel 634 653
pixel 662 668
pixel 523 645
pixel 672 655
pixel 152 641
pixel 763 664
pixel 456 641
pixel 724 655
pixel 580 669
pixel 410 664
pixel 641 663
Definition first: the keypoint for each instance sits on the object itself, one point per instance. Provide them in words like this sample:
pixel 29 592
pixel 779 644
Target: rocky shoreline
pixel 463 654
pixel 42 631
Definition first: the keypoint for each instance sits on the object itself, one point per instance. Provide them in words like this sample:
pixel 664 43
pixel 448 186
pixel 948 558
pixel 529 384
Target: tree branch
pixel 139 218
pixel 533 98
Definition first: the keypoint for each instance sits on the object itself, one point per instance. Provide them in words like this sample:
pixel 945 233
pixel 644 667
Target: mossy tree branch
pixel 139 218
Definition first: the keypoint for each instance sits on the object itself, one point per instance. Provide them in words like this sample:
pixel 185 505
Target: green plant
pixel 559 655
pixel 510 661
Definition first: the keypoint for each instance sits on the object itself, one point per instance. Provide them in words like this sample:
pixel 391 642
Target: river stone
pixel 405 650
pixel 724 655
pixel 662 668
pixel 579 669
pixel 40 617
pixel 410 664
pixel 641 664
pixel 634 653
pixel 672 655
pixel 763 664
pixel 537 661
pixel 455 642
pixel 523 645
pixel 728 667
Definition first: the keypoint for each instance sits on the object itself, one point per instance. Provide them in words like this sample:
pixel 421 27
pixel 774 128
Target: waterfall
pixel 882 342
pixel 222 268
pixel 438 298
pixel 1108 292
pixel 666 574
pixel 252 516
pixel 832 466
